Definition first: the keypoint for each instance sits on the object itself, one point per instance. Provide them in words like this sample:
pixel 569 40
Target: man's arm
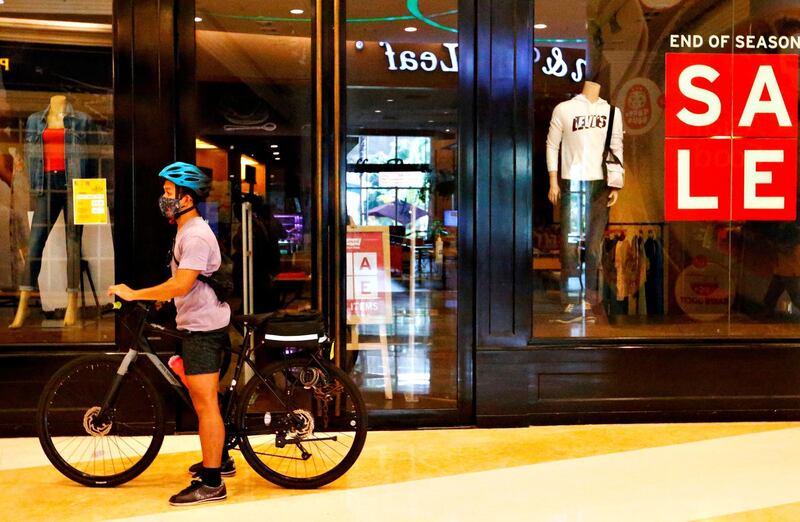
pixel 176 286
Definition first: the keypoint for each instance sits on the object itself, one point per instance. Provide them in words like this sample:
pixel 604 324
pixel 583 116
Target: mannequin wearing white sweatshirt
pixel 577 137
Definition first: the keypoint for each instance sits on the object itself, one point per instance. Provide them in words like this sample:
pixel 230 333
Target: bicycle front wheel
pixel 94 451
pixel 302 423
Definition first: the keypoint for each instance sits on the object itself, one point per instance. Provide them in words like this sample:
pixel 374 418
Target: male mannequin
pixel 55 153
pixel 578 129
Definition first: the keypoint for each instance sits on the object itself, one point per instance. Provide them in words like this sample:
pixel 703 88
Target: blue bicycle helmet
pixel 188 176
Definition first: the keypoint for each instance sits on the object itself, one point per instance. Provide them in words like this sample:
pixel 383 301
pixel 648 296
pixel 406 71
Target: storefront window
pixel 56 172
pixel 254 136
pixel 700 236
pixel 401 150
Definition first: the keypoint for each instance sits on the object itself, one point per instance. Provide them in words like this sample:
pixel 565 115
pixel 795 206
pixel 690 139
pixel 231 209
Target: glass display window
pixel 56 172
pixel 693 232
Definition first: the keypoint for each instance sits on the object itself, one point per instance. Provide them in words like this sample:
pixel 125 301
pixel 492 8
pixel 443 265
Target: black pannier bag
pixel 303 330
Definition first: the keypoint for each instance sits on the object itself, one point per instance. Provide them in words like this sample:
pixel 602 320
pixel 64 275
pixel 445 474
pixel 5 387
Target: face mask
pixel 169 207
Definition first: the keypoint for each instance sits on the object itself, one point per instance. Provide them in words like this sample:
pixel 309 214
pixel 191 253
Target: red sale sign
pixel 731 137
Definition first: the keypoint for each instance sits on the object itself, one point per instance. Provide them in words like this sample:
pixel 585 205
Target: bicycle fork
pixel 111 396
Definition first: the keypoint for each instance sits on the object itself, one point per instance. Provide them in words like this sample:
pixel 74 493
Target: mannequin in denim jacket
pixel 52 191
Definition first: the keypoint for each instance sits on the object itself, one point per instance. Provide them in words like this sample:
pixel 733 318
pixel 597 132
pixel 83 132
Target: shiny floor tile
pixel 630 472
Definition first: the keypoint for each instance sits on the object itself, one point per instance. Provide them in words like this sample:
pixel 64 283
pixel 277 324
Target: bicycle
pixel 299 422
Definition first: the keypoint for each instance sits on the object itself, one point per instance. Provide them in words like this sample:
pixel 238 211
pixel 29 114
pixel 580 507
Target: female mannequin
pixel 55 154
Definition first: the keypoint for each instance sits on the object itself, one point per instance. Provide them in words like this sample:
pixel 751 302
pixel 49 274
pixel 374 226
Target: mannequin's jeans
pixel 584 214
pixel 47 206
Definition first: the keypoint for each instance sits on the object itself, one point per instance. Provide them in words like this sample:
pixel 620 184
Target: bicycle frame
pixel 141 345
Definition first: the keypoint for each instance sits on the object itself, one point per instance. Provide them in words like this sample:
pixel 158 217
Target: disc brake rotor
pixel 308 423
pixel 89 423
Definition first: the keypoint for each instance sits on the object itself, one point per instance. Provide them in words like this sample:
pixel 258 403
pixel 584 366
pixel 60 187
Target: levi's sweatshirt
pixel 579 127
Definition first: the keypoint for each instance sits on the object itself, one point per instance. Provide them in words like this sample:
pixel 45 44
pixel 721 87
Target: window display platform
pixel 616 472
pixel 547 325
pixel 42 330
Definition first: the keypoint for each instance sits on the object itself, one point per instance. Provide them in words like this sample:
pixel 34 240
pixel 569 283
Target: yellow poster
pixel 89 203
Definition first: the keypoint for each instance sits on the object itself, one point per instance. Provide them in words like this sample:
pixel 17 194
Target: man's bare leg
pixel 203 390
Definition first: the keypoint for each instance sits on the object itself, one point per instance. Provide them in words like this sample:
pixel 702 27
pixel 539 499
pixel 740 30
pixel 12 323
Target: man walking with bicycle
pixel 202 315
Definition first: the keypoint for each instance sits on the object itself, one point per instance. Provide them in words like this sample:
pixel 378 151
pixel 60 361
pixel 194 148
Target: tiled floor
pixel 616 473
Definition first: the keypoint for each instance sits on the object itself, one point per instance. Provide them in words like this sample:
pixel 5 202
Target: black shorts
pixel 202 351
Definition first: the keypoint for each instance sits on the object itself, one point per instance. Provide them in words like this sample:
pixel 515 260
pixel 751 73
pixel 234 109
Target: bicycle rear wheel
pixel 100 452
pixel 303 425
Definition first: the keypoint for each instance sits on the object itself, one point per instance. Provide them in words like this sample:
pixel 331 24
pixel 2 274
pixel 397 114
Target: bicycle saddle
pixel 241 321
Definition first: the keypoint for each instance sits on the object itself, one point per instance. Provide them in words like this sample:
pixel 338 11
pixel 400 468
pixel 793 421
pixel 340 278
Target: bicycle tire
pixel 64 415
pixel 330 458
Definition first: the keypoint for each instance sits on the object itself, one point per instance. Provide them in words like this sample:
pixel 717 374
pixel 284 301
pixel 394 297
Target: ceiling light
pixel 198 19
pixel 410 29
pixel 447 130
pixel 377 111
pixel 274 146
pixel 297 11
pixel 276 153
pixel 430 121
pixel 390 100
pixel 540 26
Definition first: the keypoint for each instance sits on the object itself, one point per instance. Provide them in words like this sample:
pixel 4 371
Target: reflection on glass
pixel 254 120
pixel 655 276
pixel 401 151
pixel 56 174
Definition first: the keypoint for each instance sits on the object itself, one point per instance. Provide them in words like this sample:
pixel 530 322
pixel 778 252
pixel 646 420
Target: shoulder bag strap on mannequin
pixel 613 160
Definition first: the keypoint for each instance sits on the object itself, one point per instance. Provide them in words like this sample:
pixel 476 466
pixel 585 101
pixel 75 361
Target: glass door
pixel 254 83
pixel 401 149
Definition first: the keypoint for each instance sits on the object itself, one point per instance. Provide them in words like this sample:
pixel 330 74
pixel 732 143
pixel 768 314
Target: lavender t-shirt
pixel 196 248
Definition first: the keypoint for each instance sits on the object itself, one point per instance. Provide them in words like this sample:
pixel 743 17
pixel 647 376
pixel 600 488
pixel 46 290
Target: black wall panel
pixel 502 170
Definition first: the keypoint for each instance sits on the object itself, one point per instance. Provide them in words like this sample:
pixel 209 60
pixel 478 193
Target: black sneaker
pixel 228 468
pixel 197 492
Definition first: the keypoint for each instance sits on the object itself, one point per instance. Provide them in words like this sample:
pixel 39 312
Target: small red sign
pixel 764 179
pixel 697 186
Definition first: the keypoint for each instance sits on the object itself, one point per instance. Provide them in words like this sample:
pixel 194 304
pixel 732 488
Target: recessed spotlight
pixel 430 121
pixel 540 26
pixel 447 130
pixel 410 29
pixel 297 11
pixel 198 19
pixel 274 146
pixel 276 153
pixel 377 111
pixel 359 45
pixel 390 100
